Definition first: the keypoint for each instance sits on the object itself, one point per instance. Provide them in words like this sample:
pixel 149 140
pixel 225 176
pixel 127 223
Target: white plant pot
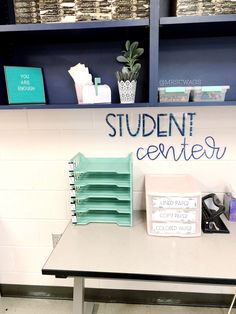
pixel 127 91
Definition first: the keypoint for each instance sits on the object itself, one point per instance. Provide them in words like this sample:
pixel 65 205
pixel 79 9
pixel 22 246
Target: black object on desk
pixel 211 221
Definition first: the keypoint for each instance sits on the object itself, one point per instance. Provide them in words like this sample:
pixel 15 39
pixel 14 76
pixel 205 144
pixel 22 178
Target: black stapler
pixel 211 221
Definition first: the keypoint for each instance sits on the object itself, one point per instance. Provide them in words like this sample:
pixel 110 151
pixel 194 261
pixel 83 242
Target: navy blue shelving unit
pixel 176 48
pixel 200 49
pixel 57 47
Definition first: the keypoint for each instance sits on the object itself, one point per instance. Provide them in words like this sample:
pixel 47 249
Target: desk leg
pixel 78 296
pixel 79 306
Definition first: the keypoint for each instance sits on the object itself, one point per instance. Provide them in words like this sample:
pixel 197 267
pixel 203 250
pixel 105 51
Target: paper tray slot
pixel 98 191
pixel 116 165
pixel 111 217
pixel 107 205
pixel 94 178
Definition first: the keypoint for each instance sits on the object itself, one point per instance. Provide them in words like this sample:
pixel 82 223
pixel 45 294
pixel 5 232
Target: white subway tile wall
pixel 35 147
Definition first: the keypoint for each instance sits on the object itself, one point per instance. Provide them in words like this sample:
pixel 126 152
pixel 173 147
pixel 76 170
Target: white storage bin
pixel 173 205
pixel 209 93
pixel 174 94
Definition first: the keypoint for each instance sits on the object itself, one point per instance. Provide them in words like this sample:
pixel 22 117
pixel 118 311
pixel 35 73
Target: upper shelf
pixel 70 31
pixel 192 26
pixel 92 25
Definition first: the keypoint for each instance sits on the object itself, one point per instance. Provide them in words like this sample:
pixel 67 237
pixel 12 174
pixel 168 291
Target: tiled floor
pixel 36 306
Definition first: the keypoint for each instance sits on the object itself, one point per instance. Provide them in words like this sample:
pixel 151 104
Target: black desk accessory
pixel 211 221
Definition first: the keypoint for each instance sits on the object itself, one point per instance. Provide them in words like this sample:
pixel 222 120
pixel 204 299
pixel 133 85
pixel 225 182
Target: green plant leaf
pixel 125 70
pixel 123 76
pixel 136 67
pixel 133 48
pixel 118 76
pixel 131 77
pixel 127 45
pixel 131 68
pixel 139 52
pixel 125 53
pixel 121 59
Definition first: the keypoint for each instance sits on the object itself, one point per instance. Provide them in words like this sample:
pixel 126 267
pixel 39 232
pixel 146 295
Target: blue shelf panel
pixel 226 18
pixel 73 26
pixel 194 26
pixel 118 105
pixel 197 104
pixel 140 105
pixel 72 106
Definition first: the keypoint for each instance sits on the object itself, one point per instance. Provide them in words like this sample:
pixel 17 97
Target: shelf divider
pixel 154 50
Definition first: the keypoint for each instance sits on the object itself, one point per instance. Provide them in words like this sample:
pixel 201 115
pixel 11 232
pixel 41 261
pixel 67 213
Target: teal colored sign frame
pixel 25 85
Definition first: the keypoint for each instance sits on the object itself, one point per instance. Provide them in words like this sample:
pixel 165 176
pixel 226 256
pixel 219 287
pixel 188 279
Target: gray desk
pixel 110 251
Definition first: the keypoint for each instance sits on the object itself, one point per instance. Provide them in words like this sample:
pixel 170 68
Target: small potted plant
pixel 127 77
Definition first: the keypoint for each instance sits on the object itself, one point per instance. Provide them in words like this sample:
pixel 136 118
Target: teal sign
pixel 24 85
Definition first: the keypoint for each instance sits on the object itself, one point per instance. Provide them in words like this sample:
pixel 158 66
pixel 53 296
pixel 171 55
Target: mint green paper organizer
pixel 103 190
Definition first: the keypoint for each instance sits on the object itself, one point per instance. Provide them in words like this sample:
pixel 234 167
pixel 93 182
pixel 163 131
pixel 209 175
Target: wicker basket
pixel 195 7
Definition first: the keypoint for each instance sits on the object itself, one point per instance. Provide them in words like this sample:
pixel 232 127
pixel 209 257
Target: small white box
pixel 173 205
pixel 90 97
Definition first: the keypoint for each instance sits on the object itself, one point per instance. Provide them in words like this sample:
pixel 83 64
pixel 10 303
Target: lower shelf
pixel 71 106
pixel 118 105
pixel 197 104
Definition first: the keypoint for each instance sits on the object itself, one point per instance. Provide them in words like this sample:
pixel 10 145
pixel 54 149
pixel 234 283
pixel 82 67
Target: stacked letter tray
pixel 101 190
